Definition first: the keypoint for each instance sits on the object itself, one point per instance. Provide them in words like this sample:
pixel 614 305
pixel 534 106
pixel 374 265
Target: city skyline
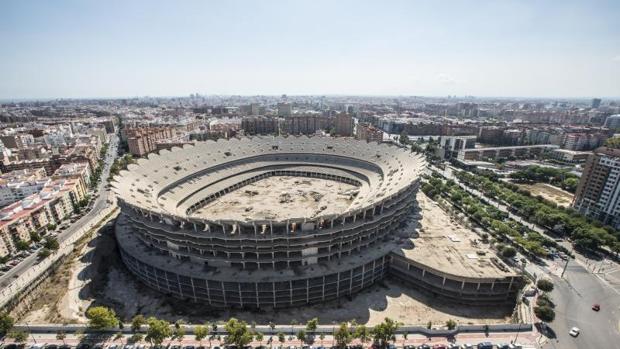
pixel 114 50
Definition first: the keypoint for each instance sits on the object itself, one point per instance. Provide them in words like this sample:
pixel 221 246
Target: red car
pixel 596 307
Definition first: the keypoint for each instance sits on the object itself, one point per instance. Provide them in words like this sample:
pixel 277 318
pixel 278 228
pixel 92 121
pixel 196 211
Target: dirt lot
pixel 282 197
pixel 549 192
pixel 98 277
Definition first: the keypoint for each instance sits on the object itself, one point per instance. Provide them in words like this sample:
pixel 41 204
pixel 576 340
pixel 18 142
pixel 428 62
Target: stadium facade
pixel 277 262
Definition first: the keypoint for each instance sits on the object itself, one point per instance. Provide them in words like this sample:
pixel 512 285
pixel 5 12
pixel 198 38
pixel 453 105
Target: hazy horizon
pixel 490 49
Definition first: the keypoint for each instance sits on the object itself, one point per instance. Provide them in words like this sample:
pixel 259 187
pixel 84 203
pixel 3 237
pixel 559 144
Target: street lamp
pixel 31 334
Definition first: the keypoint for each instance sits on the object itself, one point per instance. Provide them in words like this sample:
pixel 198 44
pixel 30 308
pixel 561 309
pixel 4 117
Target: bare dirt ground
pixel 282 197
pixel 549 192
pixel 98 277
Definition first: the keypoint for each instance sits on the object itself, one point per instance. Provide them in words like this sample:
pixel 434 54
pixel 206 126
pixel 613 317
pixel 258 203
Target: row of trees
pixel 554 176
pixel 238 332
pixel 96 175
pixel 120 164
pixel 585 233
pixel 492 219
pixel 544 305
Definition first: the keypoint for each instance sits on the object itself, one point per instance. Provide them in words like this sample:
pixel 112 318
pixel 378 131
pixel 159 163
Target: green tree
pixel 136 338
pixel 118 336
pixel 312 325
pixel 362 333
pixel 301 335
pixel 544 285
pixel 18 336
pixel 22 245
pixel 385 332
pixel 259 337
pixel 201 332
pixel 101 317
pixel 544 313
pixel 451 324
pixel 158 330
pixel 34 236
pixel 281 337
pixel 137 322
pixel 343 335
pixel 238 333
pixel 508 252
pixel 61 335
pixel 51 243
pixel 44 253
pixel 403 139
pixel 179 330
pixel 6 323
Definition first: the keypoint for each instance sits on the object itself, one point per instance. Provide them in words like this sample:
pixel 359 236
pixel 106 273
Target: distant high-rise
pixel 596 102
pixel 598 193
pixel 344 125
pixel 285 109
pixel 613 122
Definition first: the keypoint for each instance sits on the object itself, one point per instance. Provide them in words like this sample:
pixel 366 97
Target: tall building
pixel 344 125
pixel 596 102
pixel 368 132
pixel 613 122
pixel 142 141
pixel 285 109
pixel 598 193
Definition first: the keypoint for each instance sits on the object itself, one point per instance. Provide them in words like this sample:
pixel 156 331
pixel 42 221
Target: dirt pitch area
pixel 549 192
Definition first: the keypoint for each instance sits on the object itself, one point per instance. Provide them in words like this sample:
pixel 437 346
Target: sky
pixel 85 49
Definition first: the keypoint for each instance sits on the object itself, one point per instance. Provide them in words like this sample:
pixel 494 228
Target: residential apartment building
pixel 598 192
pixel 495 153
pixel 306 124
pixel 143 140
pixel 368 132
pixel 260 125
pixel 344 125
pixel 79 171
pixel 449 146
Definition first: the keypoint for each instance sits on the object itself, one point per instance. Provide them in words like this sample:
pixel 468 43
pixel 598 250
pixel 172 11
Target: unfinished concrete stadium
pixel 289 221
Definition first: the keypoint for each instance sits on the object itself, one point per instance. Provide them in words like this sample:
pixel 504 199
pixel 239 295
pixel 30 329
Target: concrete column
pixel 240 294
pixel 224 293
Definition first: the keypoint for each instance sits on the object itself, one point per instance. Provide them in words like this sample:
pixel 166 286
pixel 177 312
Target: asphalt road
pixel 574 296
pixel 99 203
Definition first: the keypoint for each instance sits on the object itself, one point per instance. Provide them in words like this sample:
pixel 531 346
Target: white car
pixel 574 331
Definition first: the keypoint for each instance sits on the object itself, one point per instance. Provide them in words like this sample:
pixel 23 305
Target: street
pixel 574 296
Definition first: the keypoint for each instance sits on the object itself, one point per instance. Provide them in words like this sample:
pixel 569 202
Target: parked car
pixel 574 331
pixel 485 345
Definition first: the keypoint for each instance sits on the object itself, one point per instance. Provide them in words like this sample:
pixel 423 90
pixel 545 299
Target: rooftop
pixel 446 245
